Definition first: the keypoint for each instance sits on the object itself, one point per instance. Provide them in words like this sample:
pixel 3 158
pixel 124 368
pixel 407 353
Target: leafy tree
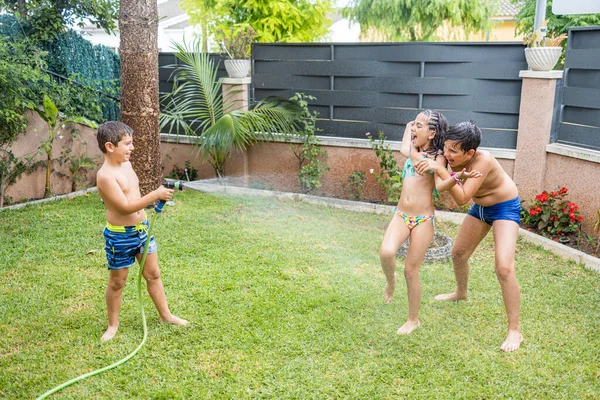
pixel 20 77
pixel 204 13
pixel 273 20
pixel 418 20
pixel 557 24
pixel 44 19
pixel 196 108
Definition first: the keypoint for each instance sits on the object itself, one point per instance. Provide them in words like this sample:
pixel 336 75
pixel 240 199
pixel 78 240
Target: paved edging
pixel 564 252
pixel 53 198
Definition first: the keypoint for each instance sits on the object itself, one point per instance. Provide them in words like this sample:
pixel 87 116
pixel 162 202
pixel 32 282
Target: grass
pixel 285 301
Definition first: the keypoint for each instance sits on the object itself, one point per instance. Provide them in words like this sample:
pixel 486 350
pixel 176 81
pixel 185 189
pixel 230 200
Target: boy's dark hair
pixel 437 122
pixel 466 134
pixel 113 132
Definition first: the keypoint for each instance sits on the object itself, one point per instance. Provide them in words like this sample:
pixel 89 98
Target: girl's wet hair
pixel 437 122
pixel 466 134
pixel 113 132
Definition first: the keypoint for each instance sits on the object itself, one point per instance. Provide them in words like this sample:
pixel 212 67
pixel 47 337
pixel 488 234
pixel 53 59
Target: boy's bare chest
pixel 129 183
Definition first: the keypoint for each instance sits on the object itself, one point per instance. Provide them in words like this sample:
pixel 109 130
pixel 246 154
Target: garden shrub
pixel 550 212
pixel 355 184
pixel 187 173
pixel 309 153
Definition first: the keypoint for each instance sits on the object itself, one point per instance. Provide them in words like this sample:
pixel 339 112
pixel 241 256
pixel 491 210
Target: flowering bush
pixel 188 173
pixel 551 212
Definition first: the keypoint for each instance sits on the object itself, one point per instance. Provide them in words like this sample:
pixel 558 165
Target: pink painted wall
pixel 582 178
pixel 31 186
pixel 274 166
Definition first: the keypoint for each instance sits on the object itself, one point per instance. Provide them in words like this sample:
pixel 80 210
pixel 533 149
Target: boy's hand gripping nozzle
pixel 177 185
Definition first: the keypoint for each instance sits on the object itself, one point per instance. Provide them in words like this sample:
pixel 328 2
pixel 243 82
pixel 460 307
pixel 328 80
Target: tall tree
pixel 138 23
pixel 557 24
pixel 46 18
pixel 418 20
pixel 273 20
pixel 203 13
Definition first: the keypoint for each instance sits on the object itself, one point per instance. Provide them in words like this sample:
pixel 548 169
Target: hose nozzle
pixel 176 185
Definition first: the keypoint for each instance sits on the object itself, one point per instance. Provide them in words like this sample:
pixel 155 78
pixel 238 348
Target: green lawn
pixel 285 301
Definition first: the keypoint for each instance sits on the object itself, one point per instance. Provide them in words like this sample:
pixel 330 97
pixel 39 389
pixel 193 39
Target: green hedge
pixel 92 71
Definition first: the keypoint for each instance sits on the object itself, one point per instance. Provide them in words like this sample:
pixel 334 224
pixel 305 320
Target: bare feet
pixel 388 292
pixel 450 297
pixel 408 327
pixel 513 341
pixel 174 320
pixel 110 333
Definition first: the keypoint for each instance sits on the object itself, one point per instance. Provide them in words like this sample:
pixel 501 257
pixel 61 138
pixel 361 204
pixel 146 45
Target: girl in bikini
pixel 423 138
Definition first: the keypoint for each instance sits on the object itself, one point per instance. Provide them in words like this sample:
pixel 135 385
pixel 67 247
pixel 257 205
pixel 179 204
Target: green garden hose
pixel 141 307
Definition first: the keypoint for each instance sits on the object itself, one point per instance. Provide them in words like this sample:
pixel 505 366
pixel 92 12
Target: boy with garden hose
pixel 126 236
pixel 126 230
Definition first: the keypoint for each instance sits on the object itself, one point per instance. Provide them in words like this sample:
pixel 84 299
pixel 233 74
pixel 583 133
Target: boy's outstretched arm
pixel 461 194
pixel 458 179
pixel 115 199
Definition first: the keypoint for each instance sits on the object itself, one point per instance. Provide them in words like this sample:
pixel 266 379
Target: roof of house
pixel 508 8
pixel 169 9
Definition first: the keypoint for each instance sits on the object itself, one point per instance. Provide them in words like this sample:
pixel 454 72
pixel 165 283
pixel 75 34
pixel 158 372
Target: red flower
pixel 579 219
pixel 563 190
pixel 543 197
pixel 535 210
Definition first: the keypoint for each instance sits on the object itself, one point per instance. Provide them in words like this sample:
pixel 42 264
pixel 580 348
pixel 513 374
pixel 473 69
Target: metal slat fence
pixel 579 120
pixel 369 87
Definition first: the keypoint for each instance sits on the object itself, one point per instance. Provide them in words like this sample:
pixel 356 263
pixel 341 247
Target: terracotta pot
pixel 237 68
pixel 542 58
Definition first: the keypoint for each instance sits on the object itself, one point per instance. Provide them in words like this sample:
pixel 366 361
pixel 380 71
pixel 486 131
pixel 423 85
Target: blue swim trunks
pixel 123 243
pixel 509 210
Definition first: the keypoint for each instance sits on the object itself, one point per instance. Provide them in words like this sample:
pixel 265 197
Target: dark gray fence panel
pixel 369 87
pixel 579 122
pixel 166 63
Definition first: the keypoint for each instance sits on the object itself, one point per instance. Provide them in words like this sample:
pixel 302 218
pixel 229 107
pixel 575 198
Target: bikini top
pixel 410 168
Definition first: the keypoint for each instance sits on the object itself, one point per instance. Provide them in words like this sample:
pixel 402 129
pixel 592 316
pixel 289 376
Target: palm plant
pixel 56 122
pixel 196 107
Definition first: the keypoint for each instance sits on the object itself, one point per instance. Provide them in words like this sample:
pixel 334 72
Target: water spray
pixel 159 207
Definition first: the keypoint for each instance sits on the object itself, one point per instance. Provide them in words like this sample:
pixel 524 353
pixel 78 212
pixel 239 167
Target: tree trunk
pixel 138 25
pixel 47 189
pixel 205 37
pixel 21 8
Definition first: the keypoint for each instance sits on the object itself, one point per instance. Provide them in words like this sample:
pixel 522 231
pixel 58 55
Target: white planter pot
pixel 237 68
pixel 542 58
